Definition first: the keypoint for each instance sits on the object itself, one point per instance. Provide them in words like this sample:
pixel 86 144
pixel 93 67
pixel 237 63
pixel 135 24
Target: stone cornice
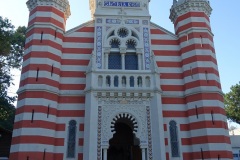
pixel 183 6
pixel 62 5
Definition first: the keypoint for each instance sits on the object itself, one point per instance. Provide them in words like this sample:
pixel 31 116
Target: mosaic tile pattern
pixel 121 4
pixel 113 21
pixel 146 48
pixel 132 21
pixel 99 47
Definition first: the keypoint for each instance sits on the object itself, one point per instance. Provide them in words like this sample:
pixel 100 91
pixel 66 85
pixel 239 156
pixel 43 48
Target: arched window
pixel 71 144
pixel 174 138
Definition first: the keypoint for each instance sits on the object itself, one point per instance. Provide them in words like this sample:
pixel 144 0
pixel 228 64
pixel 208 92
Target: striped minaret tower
pixel 34 135
pixel 207 127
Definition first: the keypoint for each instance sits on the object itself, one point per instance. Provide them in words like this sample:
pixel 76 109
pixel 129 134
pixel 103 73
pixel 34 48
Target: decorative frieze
pixel 62 5
pixel 113 21
pixel 121 4
pixel 132 21
pixel 181 7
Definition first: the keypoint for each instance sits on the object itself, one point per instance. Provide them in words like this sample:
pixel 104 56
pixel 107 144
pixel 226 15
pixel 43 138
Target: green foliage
pixel 11 53
pixel 232 103
pixel 7 113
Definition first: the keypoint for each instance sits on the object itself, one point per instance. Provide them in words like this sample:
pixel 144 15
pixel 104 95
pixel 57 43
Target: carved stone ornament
pixel 62 5
pixel 183 6
pixel 135 113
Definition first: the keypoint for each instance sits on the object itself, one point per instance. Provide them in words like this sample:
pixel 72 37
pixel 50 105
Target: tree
pixel 11 52
pixel 232 103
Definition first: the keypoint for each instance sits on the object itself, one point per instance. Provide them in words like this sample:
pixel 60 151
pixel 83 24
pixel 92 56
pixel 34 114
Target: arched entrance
pixel 124 145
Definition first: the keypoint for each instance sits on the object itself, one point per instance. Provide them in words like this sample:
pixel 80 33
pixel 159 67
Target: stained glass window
pixel 131 61
pixel 114 61
pixel 174 138
pixel 71 145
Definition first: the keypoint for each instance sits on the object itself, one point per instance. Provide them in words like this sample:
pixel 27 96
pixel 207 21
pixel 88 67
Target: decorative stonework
pixel 146 48
pixel 126 116
pixel 99 47
pixel 149 133
pixel 62 5
pixel 107 28
pixel 181 7
pixel 121 4
pixel 145 22
pixel 113 21
pixel 132 21
pixel 99 20
pixel 111 98
pixel 137 112
pixel 99 149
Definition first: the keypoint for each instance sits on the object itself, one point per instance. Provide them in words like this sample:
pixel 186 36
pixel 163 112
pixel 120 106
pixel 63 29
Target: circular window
pixel 123 32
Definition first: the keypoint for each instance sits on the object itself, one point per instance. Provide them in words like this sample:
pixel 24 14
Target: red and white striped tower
pixel 208 135
pixel 34 135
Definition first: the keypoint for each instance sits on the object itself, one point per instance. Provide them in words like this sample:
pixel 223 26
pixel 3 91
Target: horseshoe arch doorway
pixel 124 145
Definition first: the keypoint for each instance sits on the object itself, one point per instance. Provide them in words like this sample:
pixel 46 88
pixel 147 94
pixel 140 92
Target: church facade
pixel 120 87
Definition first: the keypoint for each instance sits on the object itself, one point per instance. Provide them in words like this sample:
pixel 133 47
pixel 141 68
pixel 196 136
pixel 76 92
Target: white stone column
pixel 106 55
pixel 139 54
pixel 143 149
pixel 105 153
pixel 123 61
pixel 123 52
pixel 143 153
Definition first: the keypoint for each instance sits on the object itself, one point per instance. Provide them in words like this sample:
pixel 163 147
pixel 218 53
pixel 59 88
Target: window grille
pixel 174 138
pixel 131 62
pixel 114 61
pixel 71 139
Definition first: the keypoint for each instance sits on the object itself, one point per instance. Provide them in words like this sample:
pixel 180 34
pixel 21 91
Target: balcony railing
pixel 124 80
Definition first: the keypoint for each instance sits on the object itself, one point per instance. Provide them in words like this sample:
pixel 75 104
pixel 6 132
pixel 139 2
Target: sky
pixel 225 22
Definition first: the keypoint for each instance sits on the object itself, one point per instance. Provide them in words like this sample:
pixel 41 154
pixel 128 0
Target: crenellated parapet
pixel 181 7
pixel 62 5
